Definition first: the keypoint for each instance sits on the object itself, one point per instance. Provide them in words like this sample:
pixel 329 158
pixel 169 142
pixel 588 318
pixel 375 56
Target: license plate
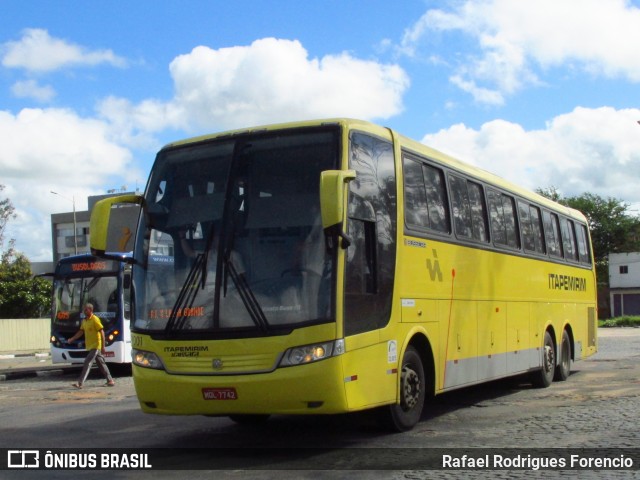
pixel 226 393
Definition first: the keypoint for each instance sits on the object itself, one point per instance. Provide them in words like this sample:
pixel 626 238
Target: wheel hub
pixel 411 388
pixel 548 358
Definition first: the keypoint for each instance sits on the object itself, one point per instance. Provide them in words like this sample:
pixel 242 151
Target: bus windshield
pixel 72 292
pixel 233 238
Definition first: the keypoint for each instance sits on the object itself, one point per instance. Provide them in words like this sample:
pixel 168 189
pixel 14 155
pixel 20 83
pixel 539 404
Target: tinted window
pixel 436 199
pixel 469 209
pixel 569 240
pixel 583 244
pixel 415 195
pixel 372 228
pixel 503 219
pixel 531 227
pixel 552 233
pixel 461 208
pixel 425 196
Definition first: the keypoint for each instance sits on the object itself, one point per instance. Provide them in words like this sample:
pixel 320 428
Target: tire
pixel 563 369
pixel 542 378
pixel 405 415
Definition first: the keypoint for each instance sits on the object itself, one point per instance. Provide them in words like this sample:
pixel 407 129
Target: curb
pixel 33 372
pixel 9 356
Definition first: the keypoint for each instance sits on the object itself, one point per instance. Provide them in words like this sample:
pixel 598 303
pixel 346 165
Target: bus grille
pixel 222 365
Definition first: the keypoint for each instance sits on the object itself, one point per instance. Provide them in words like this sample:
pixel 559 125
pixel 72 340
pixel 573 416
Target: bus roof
pixel 407 143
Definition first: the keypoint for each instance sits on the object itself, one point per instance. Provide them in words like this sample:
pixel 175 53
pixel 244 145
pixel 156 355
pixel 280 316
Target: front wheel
pixel 542 378
pixel 405 415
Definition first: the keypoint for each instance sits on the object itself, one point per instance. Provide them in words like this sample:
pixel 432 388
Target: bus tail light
pixel 312 353
pixel 146 359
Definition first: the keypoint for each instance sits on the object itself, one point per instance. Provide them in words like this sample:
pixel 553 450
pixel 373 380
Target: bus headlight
pixel 146 359
pixel 312 353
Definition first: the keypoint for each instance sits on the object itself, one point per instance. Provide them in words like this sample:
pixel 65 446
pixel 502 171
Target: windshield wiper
pixel 232 217
pixel 246 294
pixel 187 294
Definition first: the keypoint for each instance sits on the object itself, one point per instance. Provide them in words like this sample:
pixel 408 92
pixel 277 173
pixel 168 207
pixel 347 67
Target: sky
pixel 545 93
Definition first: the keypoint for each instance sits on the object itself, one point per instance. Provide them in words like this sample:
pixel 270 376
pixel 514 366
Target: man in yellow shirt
pixel 93 332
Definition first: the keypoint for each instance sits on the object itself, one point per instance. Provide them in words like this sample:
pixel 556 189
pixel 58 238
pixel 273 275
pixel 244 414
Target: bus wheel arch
pixel 417 374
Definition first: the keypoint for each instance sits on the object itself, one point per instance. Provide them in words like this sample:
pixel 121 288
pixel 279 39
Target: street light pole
pixel 75 231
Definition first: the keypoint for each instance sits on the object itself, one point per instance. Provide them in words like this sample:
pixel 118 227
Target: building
pixel 63 241
pixel 624 283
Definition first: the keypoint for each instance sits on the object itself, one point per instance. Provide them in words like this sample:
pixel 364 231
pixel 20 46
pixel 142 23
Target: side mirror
pixel 105 228
pixel 333 187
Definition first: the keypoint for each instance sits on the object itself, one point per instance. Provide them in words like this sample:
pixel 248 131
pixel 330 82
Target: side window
pixel 503 219
pixel 436 199
pixel 479 217
pixel 569 240
pixel 531 227
pixel 469 209
pixel 372 226
pixel 525 227
pixel 461 207
pixel 583 244
pixel 536 227
pixel 415 195
pixel 425 196
pixel 552 233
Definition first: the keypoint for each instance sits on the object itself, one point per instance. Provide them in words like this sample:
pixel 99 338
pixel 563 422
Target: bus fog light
pixel 146 359
pixel 311 353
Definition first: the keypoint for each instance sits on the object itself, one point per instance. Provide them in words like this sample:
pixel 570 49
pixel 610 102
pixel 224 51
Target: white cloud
pixel 31 89
pixel 586 150
pixel 42 144
pixel 518 40
pixel 270 80
pixel 37 51
pixel 57 150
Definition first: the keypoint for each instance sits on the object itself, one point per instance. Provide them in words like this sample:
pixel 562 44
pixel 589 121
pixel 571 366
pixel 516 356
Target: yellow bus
pixel 334 266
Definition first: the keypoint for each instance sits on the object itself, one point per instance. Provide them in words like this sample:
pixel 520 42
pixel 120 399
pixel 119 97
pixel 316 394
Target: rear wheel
pixel 406 414
pixel 542 378
pixel 563 369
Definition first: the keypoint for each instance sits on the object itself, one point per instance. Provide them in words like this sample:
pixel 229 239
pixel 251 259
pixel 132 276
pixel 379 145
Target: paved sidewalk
pixel 619 332
pixel 31 364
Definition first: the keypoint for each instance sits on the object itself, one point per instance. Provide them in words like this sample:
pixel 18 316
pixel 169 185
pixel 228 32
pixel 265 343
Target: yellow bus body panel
pixel 492 308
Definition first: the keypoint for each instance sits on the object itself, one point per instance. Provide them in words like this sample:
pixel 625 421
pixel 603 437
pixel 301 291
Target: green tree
pixel 7 212
pixel 613 230
pixel 21 295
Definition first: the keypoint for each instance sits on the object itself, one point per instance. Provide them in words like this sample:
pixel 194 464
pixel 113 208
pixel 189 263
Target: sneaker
pixel 110 384
pixel 76 385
